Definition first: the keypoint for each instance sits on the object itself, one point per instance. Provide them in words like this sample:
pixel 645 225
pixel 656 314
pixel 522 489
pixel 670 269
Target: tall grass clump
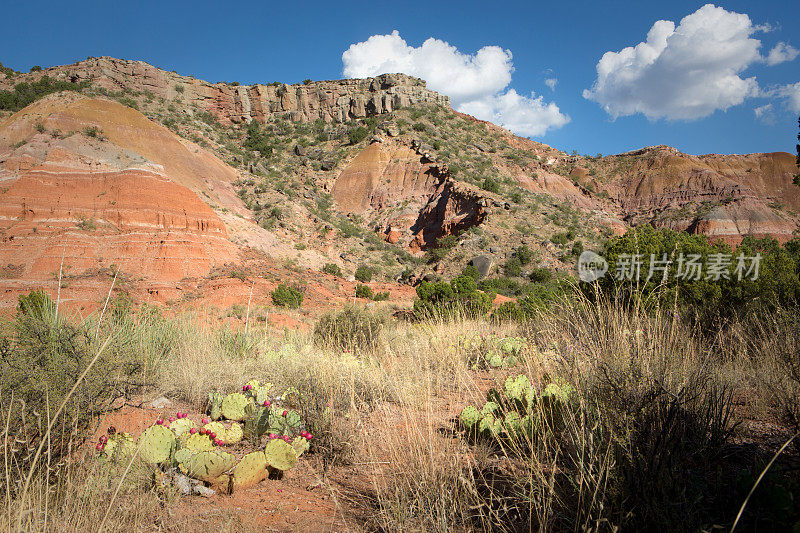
pixel 352 329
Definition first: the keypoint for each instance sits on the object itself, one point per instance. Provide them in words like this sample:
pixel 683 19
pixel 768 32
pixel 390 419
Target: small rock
pixel 328 164
pixel 160 403
pixel 300 150
pixel 483 264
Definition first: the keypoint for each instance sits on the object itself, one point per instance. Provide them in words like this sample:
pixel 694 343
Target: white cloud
pixel 765 114
pixel 476 83
pixel 781 53
pixel 551 82
pixel 681 73
pixel 791 93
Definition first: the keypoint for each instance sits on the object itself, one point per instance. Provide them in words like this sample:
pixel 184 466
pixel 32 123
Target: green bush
pixel 42 355
pixel 363 274
pixel 440 248
pixel 363 291
pixel 513 267
pixel 778 283
pixel 332 269
pixel 524 254
pixel 490 185
pixel 540 275
pixel 26 93
pixel 357 134
pixel 381 296
pixel 443 299
pixel 352 328
pixel 287 296
pixel 258 140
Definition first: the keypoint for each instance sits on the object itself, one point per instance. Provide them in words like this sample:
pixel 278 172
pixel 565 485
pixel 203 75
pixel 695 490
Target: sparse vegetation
pixel 287 296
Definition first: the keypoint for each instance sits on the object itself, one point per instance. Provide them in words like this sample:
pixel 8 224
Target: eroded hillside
pixel 379 173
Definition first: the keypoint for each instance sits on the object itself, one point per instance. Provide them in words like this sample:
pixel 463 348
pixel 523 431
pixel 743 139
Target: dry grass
pixel 646 386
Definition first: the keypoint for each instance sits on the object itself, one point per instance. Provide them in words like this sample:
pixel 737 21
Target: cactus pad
pixel 469 417
pixel 156 445
pixel 519 389
pixel 183 455
pixel 233 406
pixel 215 404
pixel 300 445
pixel 489 408
pixel 209 465
pixel 181 426
pixel 199 443
pixel 250 470
pixel 280 455
pixel 293 420
pixel 489 425
pixel 233 434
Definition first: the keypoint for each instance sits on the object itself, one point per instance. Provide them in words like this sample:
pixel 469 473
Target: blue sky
pixel 699 94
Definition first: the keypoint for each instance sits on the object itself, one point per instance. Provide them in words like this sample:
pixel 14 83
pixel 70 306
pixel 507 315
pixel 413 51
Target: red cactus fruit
pixel 111 431
pixel 193 431
pixel 100 446
pixel 285 413
pixel 103 439
pixel 204 421
pixel 212 435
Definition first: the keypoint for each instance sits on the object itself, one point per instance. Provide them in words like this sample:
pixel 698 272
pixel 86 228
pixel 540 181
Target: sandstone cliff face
pixel 725 197
pixel 331 101
pixel 96 201
pixel 408 193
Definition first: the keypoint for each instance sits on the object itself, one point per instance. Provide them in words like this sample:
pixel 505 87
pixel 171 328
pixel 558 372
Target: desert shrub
pixel 42 356
pixel 363 291
pixel 357 134
pixel 447 300
pixel 577 248
pixel 524 254
pixel 442 245
pixel 381 296
pixel 332 269
pixel 490 185
pixel 287 296
pixel 352 328
pixel 258 140
pixel 778 283
pixel 540 275
pixel 513 267
pixel 26 93
pixel 363 274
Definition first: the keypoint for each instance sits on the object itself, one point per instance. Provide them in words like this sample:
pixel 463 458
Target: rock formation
pixel 331 101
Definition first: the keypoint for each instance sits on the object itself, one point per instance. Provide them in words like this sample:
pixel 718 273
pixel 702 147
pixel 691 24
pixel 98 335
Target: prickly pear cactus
pixel 233 406
pixel 490 426
pixel 199 443
pixel 181 426
pixel 250 470
pixel 300 445
pixel 519 389
pixel 233 434
pixel 280 455
pixel 495 360
pixel 183 455
pixel 469 417
pixel 209 465
pixel 277 423
pixel 256 422
pixel 215 404
pixel 291 397
pixel 512 346
pixel 293 420
pixel 156 445
pixel 218 428
pixel 489 408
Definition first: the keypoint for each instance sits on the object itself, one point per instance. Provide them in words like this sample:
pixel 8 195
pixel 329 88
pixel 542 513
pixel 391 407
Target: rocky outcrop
pixel 331 101
pixel 410 194
pixel 725 197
